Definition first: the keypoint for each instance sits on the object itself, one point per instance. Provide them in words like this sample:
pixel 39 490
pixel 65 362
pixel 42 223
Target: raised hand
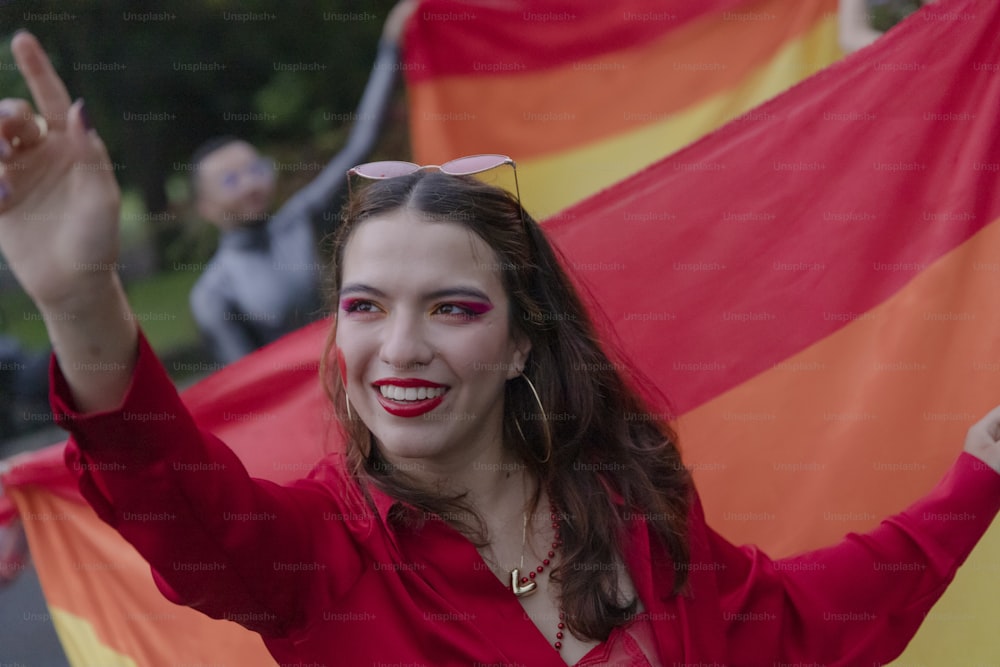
pixel 59 200
pixel 59 205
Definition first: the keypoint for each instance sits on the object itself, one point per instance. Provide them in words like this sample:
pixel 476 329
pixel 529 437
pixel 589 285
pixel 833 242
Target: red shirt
pixel 327 578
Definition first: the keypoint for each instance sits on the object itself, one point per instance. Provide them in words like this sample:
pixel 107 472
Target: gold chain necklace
pixel 523 585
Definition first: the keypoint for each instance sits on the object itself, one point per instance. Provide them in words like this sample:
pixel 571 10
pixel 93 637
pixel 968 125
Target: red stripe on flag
pixel 874 169
pixel 543 35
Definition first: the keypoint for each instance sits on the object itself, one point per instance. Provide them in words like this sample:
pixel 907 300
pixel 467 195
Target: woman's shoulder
pixel 343 494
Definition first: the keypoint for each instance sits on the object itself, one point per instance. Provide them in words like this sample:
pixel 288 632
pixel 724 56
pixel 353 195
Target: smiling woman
pixel 505 497
pixel 445 281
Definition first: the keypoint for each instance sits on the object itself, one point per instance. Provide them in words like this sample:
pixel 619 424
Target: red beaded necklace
pixel 522 586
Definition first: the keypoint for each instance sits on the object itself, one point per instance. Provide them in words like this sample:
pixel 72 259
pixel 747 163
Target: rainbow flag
pixel 583 94
pixel 815 287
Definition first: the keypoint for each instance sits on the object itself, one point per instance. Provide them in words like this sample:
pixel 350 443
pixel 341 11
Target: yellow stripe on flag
pixel 961 629
pixel 82 646
pixel 557 181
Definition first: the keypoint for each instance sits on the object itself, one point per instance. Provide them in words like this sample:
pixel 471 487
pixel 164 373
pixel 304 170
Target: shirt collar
pixel 383 502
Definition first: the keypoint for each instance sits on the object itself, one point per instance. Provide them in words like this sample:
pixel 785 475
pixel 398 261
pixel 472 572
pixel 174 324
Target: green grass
pixel 160 303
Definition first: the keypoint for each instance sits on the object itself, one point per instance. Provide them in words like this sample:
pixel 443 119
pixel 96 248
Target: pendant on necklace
pixel 521 589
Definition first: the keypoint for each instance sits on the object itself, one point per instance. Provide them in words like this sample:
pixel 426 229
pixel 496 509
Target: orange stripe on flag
pixel 541 112
pixel 91 576
pixel 883 402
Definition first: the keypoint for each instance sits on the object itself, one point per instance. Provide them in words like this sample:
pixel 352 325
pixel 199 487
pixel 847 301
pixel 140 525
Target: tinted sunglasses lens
pixel 474 164
pixel 385 169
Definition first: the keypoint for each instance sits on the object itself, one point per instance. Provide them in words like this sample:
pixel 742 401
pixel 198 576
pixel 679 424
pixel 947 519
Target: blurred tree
pixel 160 78
pixel 886 13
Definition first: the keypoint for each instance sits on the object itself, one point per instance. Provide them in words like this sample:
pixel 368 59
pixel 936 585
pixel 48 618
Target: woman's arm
pixel 217 540
pixel 862 600
pixel 233 547
pixel 317 202
pixel 59 231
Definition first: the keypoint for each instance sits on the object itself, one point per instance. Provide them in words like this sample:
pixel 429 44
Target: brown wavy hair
pixel 600 439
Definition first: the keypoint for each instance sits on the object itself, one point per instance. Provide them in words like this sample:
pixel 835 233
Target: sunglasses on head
pixel 463 166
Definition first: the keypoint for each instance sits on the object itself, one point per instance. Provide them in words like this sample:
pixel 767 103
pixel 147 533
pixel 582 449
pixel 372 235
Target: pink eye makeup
pixel 474 307
pixel 462 310
pixel 351 305
pixel 446 302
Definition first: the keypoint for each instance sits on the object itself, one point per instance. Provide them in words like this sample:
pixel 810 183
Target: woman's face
pixel 424 340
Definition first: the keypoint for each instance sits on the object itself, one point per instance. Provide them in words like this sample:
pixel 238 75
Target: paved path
pixel 27 638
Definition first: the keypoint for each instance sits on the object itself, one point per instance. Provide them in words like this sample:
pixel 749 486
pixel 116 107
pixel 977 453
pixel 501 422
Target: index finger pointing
pixel 47 89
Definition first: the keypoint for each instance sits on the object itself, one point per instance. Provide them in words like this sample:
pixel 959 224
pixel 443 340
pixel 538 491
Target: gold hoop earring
pixel 545 420
pixel 347 402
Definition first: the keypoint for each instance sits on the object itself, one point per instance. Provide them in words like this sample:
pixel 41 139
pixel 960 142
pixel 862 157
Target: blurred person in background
pixel 264 280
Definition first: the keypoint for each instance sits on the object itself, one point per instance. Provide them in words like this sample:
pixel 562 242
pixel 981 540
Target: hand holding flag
pixel 983 440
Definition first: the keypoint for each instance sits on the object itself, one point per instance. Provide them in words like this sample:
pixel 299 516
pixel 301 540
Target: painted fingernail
pixel 84 117
pixel 5 149
pixel 4 191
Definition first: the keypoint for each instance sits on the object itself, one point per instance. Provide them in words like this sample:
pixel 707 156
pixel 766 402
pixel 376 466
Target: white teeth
pixel 395 393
